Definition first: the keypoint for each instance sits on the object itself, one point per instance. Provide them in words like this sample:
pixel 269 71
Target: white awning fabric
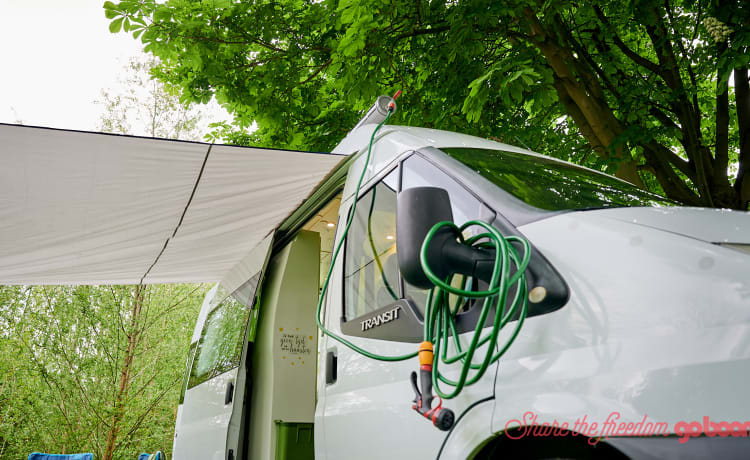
pixel 90 208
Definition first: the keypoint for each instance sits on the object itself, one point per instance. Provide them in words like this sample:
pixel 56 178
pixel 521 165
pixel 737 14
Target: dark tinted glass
pixel 551 185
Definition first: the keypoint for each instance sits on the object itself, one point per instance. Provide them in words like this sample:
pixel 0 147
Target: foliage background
pixel 62 354
pixel 654 92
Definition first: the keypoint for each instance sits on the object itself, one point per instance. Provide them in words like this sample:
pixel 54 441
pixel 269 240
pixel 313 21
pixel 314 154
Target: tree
pixel 155 110
pixel 150 107
pixel 635 87
pixel 146 106
pixel 92 368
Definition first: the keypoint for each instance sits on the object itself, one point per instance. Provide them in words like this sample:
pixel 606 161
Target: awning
pixel 91 208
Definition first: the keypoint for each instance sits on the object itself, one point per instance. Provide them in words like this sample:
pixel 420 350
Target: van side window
pixel 222 339
pixel 220 345
pixel 371 276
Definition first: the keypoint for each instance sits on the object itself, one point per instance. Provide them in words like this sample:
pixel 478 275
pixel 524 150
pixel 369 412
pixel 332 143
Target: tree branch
pixel 721 154
pixel 683 55
pixel 314 74
pixel 689 119
pixel 142 416
pixel 657 156
pixel 415 33
pixel 632 55
pixel 742 98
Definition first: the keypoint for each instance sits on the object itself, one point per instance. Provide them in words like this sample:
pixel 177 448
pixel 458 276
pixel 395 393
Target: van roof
pixel 415 138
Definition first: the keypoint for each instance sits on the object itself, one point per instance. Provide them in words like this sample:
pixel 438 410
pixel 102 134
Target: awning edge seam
pixel 182 217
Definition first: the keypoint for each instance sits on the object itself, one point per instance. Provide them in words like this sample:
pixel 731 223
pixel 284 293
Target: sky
pixel 55 58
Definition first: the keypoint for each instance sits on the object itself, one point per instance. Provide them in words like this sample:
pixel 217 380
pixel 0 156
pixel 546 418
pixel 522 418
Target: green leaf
pixel 111 13
pixel 162 14
pixel 115 25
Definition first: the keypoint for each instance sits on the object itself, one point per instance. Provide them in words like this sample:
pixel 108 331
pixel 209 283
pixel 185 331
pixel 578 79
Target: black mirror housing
pixel 418 209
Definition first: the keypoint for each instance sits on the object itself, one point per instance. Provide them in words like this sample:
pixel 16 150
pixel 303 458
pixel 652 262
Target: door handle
pixel 230 392
pixel 331 364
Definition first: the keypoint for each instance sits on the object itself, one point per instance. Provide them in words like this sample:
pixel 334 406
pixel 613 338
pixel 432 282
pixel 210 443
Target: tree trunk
pixel 125 373
pixel 577 90
pixel 742 97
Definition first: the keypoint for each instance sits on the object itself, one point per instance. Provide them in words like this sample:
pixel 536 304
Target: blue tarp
pixel 40 456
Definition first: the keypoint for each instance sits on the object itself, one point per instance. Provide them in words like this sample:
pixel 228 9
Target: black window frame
pixel 188 369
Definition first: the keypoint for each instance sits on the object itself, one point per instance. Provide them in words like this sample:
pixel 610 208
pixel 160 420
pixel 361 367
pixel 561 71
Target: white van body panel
pixel 415 138
pixel 471 433
pixel 706 224
pixel 636 340
pixel 205 420
pixel 369 408
pixel 662 332
pixel 193 435
pixel 182 444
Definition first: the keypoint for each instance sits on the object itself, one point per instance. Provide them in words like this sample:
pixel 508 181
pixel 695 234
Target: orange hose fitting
pixel 425 354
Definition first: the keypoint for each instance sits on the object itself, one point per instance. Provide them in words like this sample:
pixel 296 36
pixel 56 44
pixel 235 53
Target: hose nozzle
pixel 442 418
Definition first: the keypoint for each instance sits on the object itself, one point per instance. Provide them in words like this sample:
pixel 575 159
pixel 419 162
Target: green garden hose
pixel 440 319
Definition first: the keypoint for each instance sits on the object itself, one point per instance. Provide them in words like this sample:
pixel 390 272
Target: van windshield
pixel 553 185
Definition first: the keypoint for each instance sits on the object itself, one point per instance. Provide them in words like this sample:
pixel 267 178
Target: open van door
pixel 212 413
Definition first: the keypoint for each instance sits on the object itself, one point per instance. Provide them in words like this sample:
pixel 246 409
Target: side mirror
pixel 418 209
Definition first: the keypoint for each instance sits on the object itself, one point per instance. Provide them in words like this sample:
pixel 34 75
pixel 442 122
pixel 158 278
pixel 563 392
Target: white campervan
pixel 638 325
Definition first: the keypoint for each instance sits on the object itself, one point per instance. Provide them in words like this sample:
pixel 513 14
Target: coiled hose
pixel 440 319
